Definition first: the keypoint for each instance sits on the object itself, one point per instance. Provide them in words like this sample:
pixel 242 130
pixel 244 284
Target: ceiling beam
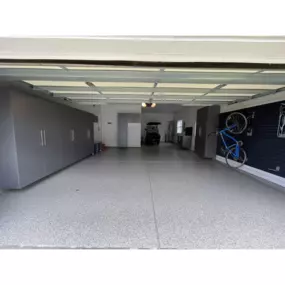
pixel 157 89
pixel 130 97
pixel 214 89
pixel 241 65
pixel 142 76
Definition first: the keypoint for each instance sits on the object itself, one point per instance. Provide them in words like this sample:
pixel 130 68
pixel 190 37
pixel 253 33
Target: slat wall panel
pixel 264 149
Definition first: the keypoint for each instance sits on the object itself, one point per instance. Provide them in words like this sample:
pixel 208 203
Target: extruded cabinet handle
pixel 45 139
pixel 72 135
pixel 42 138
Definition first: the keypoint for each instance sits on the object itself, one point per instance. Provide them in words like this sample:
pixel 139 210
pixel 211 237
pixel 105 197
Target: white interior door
pixel 134 134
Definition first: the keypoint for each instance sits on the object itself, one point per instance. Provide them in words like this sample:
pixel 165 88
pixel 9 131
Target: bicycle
pixel 236 123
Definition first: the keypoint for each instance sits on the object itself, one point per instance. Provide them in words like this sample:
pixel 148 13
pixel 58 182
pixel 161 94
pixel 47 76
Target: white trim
pixel 251 39
pixel 259 173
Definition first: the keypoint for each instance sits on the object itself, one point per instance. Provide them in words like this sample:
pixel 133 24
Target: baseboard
pixel 262 175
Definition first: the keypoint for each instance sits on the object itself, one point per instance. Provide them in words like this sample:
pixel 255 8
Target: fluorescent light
pixel 57 83
pixel 273 71
pixel 78 96
pixel 236 70
pixel 196 104
pixel 173 99
pixel 229 95
pixel 253 86
pixel 210 99
pixel 110 68
pixel 186 85
pixel 125 98
pixel 175 93
pixel 126 93
pixel 123 84
pixel 31 66
pixel 87 98
pixel 91 103
pixel 73 92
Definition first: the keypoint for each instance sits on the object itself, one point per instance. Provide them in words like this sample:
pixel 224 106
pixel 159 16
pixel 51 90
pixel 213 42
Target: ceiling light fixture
pixel 56 83
pixel 273 71
pixel 252 86
pixel 30 66
pixel 186 85
pixel 123 84
pixel 111 68
pixel 213 70
pixel 73 92
pixel 149 104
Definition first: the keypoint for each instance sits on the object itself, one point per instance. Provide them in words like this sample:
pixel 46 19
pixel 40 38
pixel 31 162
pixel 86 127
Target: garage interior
pixel 59 191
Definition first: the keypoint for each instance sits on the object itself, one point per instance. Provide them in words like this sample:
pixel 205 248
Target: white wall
pixel 109 121
pixel 188 115
pixel 163 118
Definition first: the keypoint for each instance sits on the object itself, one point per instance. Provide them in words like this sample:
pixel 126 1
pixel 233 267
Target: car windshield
pixel 152 129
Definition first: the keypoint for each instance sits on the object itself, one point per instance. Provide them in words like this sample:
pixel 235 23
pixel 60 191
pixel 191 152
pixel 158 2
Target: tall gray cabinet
pixel 207 122
pixel 39 137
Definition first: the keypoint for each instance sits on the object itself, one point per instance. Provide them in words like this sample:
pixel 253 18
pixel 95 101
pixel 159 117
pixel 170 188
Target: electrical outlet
pixel 276 169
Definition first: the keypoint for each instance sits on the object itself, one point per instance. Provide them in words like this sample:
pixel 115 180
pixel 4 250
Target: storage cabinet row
pixel 48 136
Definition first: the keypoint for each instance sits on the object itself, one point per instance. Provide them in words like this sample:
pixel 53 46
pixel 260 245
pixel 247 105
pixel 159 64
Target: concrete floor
pixel 144 198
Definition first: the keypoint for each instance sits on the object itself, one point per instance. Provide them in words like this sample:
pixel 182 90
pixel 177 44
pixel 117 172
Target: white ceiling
pixel 158 49
pixel 124 84
pixel 89 84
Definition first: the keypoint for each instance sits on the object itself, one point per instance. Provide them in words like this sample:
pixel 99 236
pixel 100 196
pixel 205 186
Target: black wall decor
pixel 265 150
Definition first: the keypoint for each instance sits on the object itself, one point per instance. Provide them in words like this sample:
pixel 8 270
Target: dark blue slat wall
pixel 264 149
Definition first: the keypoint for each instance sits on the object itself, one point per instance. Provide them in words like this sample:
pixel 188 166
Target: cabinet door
pixel 84 131
pixel 28 133
pixel 67 136
pixel 82 135
pixel 78 142
pixel 89 147
pixel 52 136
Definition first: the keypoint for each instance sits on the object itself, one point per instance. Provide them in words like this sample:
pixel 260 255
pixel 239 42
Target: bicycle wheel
pixel 236 162
pixel 236 123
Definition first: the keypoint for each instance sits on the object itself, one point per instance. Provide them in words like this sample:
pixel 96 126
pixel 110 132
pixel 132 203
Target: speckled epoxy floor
pixel 144 198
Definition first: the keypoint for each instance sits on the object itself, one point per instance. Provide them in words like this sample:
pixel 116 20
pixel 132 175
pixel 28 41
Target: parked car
pixel 152 136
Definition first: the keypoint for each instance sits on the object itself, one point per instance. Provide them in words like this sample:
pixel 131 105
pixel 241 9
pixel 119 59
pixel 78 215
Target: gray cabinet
pixel 28 136
pixel 47 137
pixel 67 143
pixel 8 156
pixel 207 122
pixel 51 136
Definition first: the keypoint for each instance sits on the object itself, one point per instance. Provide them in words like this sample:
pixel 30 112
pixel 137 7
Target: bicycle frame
pixel 223 133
